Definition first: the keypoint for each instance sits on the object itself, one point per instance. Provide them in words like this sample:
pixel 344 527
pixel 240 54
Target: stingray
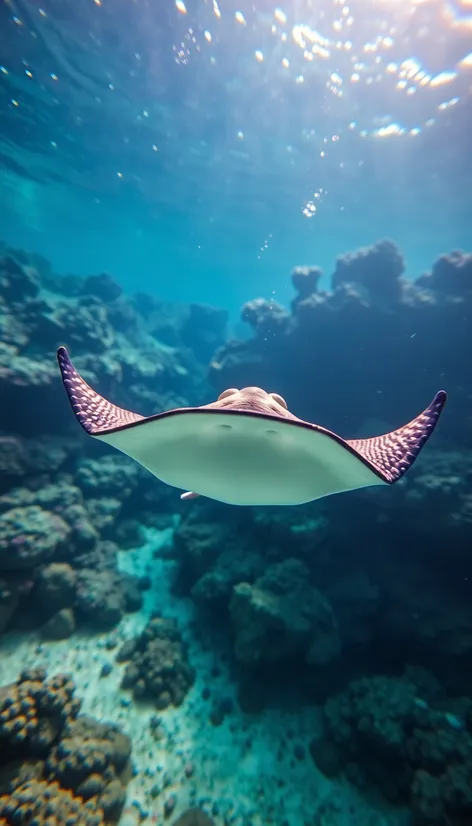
pixel 247 448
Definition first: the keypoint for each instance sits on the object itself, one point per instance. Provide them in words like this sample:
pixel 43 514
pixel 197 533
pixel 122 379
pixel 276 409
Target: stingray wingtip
pixel 62 354
pixel 440 399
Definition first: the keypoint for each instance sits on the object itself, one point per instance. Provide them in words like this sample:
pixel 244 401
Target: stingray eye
pixel 227 393
pixel 279 400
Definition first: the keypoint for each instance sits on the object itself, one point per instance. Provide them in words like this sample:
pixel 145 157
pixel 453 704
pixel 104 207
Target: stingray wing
pixel 92 411
pixel 391 455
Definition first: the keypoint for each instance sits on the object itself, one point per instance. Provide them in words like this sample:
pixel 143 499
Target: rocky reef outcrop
pixel 404 735
pixel 157 664
pixel 281 616
pixel 51 549
pixel 115 339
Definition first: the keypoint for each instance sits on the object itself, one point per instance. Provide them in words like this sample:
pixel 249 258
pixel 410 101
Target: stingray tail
pixel 391 455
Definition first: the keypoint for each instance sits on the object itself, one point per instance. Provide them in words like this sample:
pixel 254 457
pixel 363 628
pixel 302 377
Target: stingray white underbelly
pixel 243 460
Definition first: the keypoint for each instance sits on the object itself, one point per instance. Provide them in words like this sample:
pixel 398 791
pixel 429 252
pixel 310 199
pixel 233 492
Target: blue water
pixel 178 151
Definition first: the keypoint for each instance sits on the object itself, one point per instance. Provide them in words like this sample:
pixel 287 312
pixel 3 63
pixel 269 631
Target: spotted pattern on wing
pixel 394 453
pixel 94 413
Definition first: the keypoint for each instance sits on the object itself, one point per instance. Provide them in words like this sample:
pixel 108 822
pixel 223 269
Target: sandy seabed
pixel 243 772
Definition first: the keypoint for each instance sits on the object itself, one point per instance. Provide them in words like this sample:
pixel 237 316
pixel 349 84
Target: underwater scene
pixel 235 413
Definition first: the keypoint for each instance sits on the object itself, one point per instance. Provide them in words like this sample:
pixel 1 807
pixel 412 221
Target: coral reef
pixel 34 711
pixel 29 536
pixel 451 275
pixel 203 534
pixel 375 331
pixel 377 269
pixel 92 758
pixel 281 616
pixel 378 599
pixel 54 538
pixel 59 504
pixel 315 596
pixel 413 744
pixel 158 668
pixel 42 803
pixel 56 585
pixel 114 342
pixel 102 597
pixel 57 766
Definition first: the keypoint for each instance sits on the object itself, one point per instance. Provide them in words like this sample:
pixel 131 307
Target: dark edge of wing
pixel 92 411
pixel 392 454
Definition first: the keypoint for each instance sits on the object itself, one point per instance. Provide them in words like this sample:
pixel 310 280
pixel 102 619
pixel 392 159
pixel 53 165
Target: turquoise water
pixel 181 147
